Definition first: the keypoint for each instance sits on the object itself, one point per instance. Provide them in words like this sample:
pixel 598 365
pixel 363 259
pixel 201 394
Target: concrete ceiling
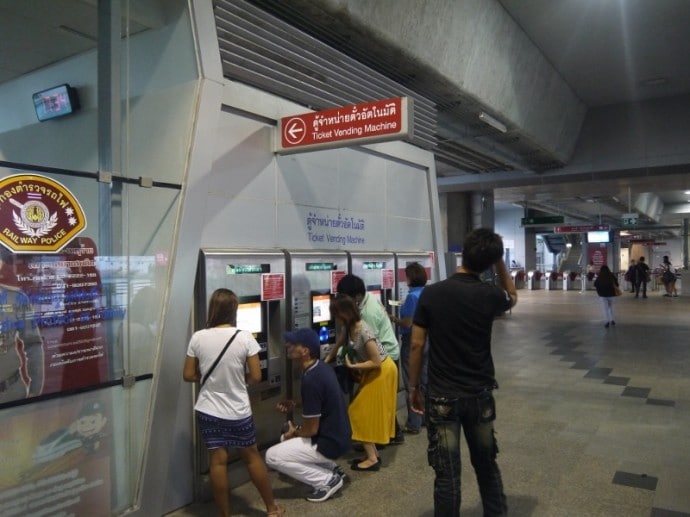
pixel 37 33
pixel 612 52
pixel 608 52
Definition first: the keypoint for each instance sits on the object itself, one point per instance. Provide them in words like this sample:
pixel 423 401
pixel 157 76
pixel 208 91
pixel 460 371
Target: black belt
pixel 5 385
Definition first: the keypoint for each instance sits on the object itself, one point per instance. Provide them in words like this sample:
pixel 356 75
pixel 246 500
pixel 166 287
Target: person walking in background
pixel 374 314
pixel 372 410
pixel 416 278
pixel 218 356
pixel 606 284
pixel 630 275
pixel 641 278
pixel 307 452
pixel 456 315
pixel 668 277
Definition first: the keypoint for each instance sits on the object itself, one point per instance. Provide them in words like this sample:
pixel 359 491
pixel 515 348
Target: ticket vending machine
pixel 259 281
pixel 377 270
pixel 312 280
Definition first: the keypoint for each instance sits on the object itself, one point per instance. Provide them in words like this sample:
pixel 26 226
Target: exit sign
pixel 549 219
pixel 629 219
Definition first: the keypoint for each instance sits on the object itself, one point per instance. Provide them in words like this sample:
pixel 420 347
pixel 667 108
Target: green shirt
pixel 374 314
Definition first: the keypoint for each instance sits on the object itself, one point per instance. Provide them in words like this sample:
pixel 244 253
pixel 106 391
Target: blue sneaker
pixel 339 471
pixel 320 494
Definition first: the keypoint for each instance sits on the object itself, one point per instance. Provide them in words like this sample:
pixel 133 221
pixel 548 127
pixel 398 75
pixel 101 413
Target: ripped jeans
pixel 445 419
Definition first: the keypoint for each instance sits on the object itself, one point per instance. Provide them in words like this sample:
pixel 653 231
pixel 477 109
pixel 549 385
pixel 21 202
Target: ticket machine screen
pixel 321 317
pixel 249 317
pixel 321 308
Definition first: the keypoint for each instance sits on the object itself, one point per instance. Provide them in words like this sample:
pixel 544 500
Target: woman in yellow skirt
pixel 372 410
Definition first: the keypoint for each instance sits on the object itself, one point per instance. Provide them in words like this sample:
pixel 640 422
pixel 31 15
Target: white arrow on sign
pixel 295 130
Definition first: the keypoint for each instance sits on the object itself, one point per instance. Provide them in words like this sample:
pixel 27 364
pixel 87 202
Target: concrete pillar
pixel 482 210
pixel 686 248
pixel 458 220
pixel 530 248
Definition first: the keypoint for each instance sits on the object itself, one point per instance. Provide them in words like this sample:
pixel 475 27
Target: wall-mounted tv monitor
pixel 598 236
pixel 320 308
pixel 249 317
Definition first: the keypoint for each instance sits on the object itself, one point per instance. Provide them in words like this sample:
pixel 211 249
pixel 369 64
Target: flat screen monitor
pixel 320 308
pixel 249 317
pixel 598 236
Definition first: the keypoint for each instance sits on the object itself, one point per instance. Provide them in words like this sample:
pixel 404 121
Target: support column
pixel 530 249
pixel 458 223
pixel 483 210
pixel 686 248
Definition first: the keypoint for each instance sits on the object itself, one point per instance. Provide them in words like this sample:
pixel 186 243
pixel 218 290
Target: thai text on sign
pixel 369 122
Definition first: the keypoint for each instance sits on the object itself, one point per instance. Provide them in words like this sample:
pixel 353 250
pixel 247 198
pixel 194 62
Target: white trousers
pixel 607 305
pixel 299 459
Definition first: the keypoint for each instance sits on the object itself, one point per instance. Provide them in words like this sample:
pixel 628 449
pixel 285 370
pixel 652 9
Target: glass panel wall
pixel 86 253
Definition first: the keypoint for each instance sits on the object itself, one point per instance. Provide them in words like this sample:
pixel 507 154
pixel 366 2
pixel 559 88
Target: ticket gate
pixel 534 279
pixel 553 281
pixel 570 280
pixel 518 277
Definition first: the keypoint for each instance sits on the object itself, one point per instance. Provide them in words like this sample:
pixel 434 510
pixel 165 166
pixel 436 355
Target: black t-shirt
pixel 458 314
pixel 321 397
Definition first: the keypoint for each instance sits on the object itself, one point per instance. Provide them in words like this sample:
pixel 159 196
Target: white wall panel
pixel 244 164
pixel 348 198
pixel 308 179
pixel 363 181
pixel 409 234
pixel 408 192
pixel 239 223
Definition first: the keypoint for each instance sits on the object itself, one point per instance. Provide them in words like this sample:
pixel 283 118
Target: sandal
pixel 362 460
pixel 277 513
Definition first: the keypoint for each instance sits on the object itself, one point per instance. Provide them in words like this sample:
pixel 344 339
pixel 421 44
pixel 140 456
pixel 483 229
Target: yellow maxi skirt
pixel 372 410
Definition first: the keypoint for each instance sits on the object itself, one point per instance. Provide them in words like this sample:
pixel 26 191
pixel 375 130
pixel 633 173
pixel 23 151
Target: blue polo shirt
pixel 408 307
pixel 322 398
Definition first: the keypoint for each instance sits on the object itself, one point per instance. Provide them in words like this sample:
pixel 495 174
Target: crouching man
pixel 308 452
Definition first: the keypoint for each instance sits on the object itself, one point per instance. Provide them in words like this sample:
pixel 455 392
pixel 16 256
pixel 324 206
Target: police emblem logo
pixel 38 214
pixel 34 219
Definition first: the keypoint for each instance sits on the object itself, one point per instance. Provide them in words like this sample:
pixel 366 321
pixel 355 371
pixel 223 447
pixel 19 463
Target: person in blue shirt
pixel 416 278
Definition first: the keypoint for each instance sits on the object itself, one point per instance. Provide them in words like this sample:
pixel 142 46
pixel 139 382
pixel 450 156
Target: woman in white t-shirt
pixel 223 411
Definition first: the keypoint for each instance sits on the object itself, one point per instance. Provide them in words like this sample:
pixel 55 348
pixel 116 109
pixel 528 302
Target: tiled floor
pixel 591 421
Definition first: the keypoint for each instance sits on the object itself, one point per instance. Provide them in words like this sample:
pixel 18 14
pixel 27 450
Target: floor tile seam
pixel 586 359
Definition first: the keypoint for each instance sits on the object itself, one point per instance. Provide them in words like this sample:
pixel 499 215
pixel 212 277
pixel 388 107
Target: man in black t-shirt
pixel 325 423
pixel 456 315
